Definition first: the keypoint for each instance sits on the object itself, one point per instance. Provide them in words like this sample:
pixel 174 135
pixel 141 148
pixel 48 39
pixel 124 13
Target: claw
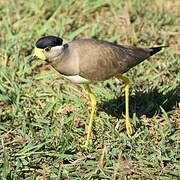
pixel 85 145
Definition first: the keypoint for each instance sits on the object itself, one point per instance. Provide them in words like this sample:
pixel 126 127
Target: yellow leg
pixel 128 123
pixel 93 110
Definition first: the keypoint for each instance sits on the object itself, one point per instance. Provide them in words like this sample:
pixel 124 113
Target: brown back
pixel 100 60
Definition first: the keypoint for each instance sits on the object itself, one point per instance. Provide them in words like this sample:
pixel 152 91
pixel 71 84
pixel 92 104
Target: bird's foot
pixel 85 145
pixel 129 128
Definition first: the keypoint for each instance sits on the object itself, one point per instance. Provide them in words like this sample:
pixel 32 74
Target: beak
pixel 31 59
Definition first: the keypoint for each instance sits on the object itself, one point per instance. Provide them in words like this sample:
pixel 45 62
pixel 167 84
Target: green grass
pixel 43 117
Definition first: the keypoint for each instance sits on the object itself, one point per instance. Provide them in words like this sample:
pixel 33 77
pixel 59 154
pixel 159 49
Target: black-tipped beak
pixel 31 59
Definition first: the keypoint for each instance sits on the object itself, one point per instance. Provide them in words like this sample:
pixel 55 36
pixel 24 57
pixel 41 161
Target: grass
pixel 43 117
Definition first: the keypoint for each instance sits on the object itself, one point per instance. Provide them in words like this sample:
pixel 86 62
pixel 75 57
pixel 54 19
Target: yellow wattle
pixel 40 53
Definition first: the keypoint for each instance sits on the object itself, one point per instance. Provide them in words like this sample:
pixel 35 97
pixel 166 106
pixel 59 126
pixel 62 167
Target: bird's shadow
pixel 147 103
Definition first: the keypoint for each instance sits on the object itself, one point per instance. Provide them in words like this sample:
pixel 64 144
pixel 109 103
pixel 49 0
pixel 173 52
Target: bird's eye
pixel 47 49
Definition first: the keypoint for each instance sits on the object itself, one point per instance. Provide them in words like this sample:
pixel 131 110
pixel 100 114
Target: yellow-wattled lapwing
pixel 87 60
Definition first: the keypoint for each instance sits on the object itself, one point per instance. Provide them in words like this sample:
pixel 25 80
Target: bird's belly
pixel 76 79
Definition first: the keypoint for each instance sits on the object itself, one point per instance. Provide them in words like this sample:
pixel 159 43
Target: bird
pixel 84 61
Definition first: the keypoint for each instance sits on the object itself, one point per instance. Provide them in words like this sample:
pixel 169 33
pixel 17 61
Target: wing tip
pixel 154 50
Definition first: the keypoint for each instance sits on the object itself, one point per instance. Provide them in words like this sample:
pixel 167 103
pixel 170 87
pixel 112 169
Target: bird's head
pixel 47 48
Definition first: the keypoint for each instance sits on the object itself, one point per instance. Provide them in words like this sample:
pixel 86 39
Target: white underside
pixel 76 79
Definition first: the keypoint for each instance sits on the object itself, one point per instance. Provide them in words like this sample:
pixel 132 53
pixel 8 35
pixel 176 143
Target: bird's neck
pixel 66 63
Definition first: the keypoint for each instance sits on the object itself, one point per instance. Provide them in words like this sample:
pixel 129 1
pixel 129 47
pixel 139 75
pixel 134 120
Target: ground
pixel 43 117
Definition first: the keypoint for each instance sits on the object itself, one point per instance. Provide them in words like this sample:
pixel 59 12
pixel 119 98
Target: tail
pixel 154 50
pixel 137 55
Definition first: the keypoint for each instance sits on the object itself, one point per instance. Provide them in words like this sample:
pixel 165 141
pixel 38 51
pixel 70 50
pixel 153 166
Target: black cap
pixel 48 41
